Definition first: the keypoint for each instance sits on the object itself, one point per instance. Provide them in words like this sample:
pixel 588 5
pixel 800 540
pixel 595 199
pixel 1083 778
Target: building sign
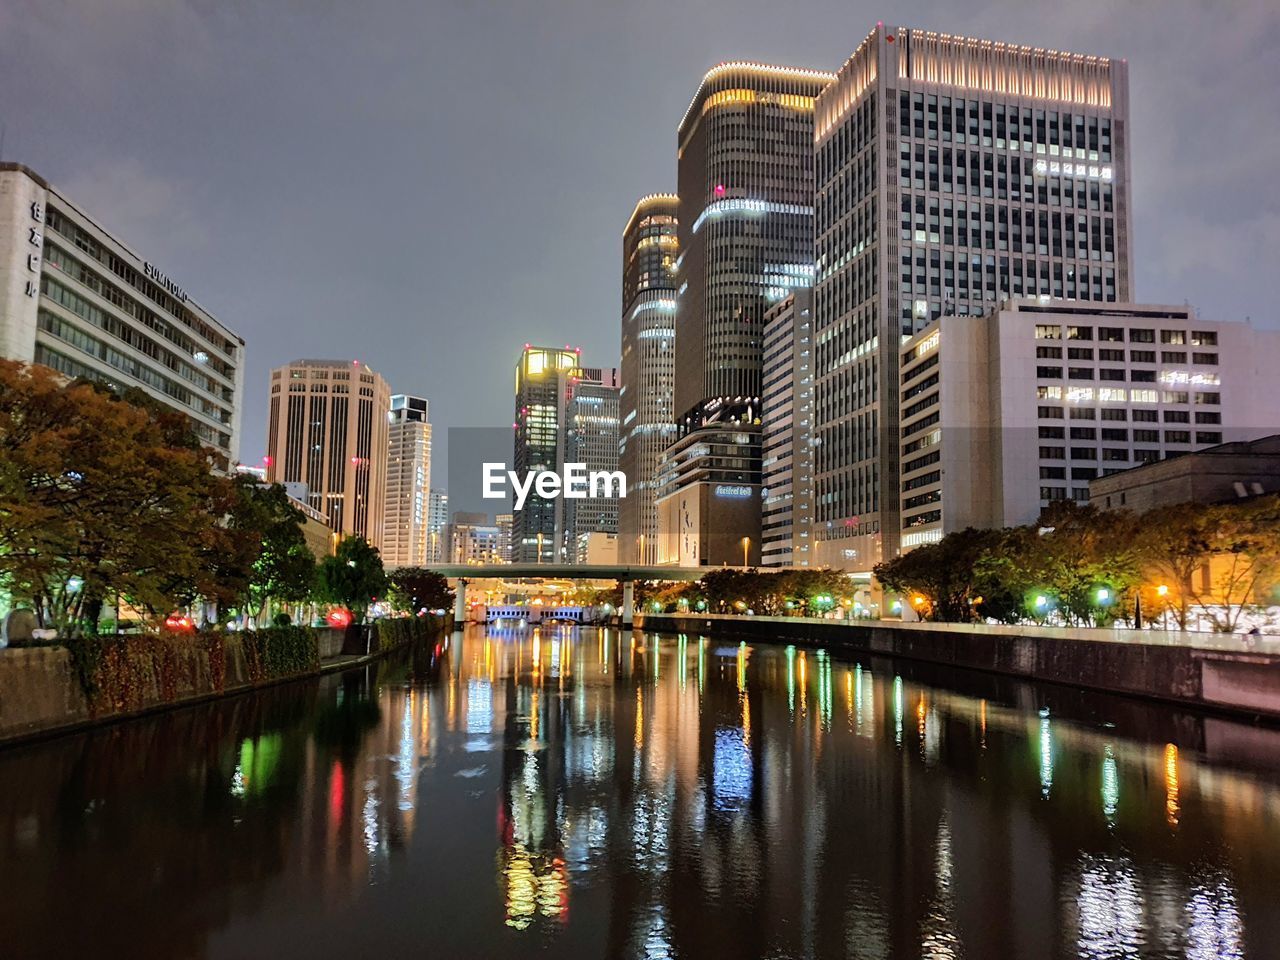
pixel 154 274
pixel 733 491
pixel 35 238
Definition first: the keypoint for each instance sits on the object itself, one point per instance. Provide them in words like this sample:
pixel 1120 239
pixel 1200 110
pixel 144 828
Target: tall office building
pixel 75 298
pixel 591 438
pixel 565 413
pixel 405 528
pixel 649 247
pixel 952 174
pixel 327 428
pixel 745 178
pixel 786 527
pixel 437 526
pixel 1005 414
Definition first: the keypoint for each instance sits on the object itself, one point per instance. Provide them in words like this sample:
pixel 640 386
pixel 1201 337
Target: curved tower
pixel 649 247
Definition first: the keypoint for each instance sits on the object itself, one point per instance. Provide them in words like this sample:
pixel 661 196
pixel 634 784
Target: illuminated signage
pixel 733 491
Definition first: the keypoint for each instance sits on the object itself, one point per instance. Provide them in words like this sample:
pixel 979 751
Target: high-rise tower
pixel 405 530
pixel 952 174
pixel 327 429
pixel 649 247
pixel 745 178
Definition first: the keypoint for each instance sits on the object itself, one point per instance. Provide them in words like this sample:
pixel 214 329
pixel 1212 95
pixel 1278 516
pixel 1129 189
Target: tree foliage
pixel 411 589
pixel 353 577
pixel 100 498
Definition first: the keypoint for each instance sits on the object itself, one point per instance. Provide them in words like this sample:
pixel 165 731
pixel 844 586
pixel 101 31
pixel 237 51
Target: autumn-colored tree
pixel 100 498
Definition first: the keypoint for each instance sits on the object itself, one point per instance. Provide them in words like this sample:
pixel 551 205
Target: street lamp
pixel 746 546
pixel 640 559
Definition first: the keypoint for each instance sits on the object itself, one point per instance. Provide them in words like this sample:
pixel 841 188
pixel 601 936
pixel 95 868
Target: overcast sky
pixel 426 186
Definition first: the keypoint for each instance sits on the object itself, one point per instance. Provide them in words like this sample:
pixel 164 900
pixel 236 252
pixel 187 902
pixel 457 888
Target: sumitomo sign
pixel 155 275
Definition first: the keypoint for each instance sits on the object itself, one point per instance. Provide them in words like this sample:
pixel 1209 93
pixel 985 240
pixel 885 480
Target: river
pixel 597 793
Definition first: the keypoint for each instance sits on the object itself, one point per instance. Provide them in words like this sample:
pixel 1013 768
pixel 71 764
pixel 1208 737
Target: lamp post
pixel 640 559
pixel 746 547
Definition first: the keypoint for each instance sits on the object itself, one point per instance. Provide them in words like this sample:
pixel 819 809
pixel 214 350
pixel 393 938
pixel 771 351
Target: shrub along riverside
pixel 123 673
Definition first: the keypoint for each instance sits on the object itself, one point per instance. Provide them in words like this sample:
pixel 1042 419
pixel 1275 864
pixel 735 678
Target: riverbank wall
pixel 51 689
pixel 1220 672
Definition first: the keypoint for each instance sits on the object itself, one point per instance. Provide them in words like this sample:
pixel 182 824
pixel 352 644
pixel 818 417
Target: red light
pixel 179 622
pixel 340 618
pixel 268 460
pixel 719 189
pixel 889 38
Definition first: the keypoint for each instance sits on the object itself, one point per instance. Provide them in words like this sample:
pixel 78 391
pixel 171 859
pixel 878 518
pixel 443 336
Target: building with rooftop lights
pixel 327 428
pixel 649 248
pixel 953 175
pixel 405 528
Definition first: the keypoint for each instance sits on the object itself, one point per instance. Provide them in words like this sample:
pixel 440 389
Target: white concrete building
pixel 405 531
pixel 75 298
pixel 1004 414
pixel 786 525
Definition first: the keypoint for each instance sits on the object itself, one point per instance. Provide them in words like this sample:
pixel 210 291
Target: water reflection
pixel 617 794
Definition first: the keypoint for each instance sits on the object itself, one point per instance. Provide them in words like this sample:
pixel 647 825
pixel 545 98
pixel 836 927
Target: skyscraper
pixel 542 383
pixel 952 174
pixel 327 428
pixel 786 528
pixel 591 438
pixel 745 178
pixel 649 246
pixel 405 528
pixel 565 413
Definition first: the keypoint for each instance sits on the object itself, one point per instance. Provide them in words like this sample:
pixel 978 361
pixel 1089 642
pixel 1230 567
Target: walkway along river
pixel 599 793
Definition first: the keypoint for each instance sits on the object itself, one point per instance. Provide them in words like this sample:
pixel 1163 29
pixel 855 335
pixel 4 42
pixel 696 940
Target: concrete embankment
pixel 42 689
pixel 1222 672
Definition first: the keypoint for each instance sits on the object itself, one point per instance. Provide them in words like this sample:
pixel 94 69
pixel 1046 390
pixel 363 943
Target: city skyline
pixel 178 203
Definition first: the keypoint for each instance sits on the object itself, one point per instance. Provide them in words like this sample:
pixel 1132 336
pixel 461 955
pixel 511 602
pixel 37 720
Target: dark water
pixel 589 794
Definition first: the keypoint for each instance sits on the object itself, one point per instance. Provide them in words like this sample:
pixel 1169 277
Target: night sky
pixel 426 186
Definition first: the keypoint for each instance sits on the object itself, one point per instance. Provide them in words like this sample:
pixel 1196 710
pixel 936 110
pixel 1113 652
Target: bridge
pixel 626 574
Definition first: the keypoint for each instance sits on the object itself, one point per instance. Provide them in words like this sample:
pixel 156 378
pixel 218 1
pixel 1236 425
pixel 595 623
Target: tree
pixel 945 573
pixel 1173 543
pixel 282 567
pixel 1244 541
pixel 414 588
pixel 353 577
pixel 100 498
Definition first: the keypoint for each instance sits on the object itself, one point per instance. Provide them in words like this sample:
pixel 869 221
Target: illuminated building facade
pixel 565 413
pixel 473 539
pixel 1005 414
pixel 437 525
pixel 327 428
pixel 745 180
pixel 503 522
pixel 649 247
pixel 591 437
pixel 75 298
pixel 952 175
pixel 786 522
pixel 405 530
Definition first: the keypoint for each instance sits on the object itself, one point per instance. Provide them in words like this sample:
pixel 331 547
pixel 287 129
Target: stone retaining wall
pixel 1218 672
pixel 40 689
